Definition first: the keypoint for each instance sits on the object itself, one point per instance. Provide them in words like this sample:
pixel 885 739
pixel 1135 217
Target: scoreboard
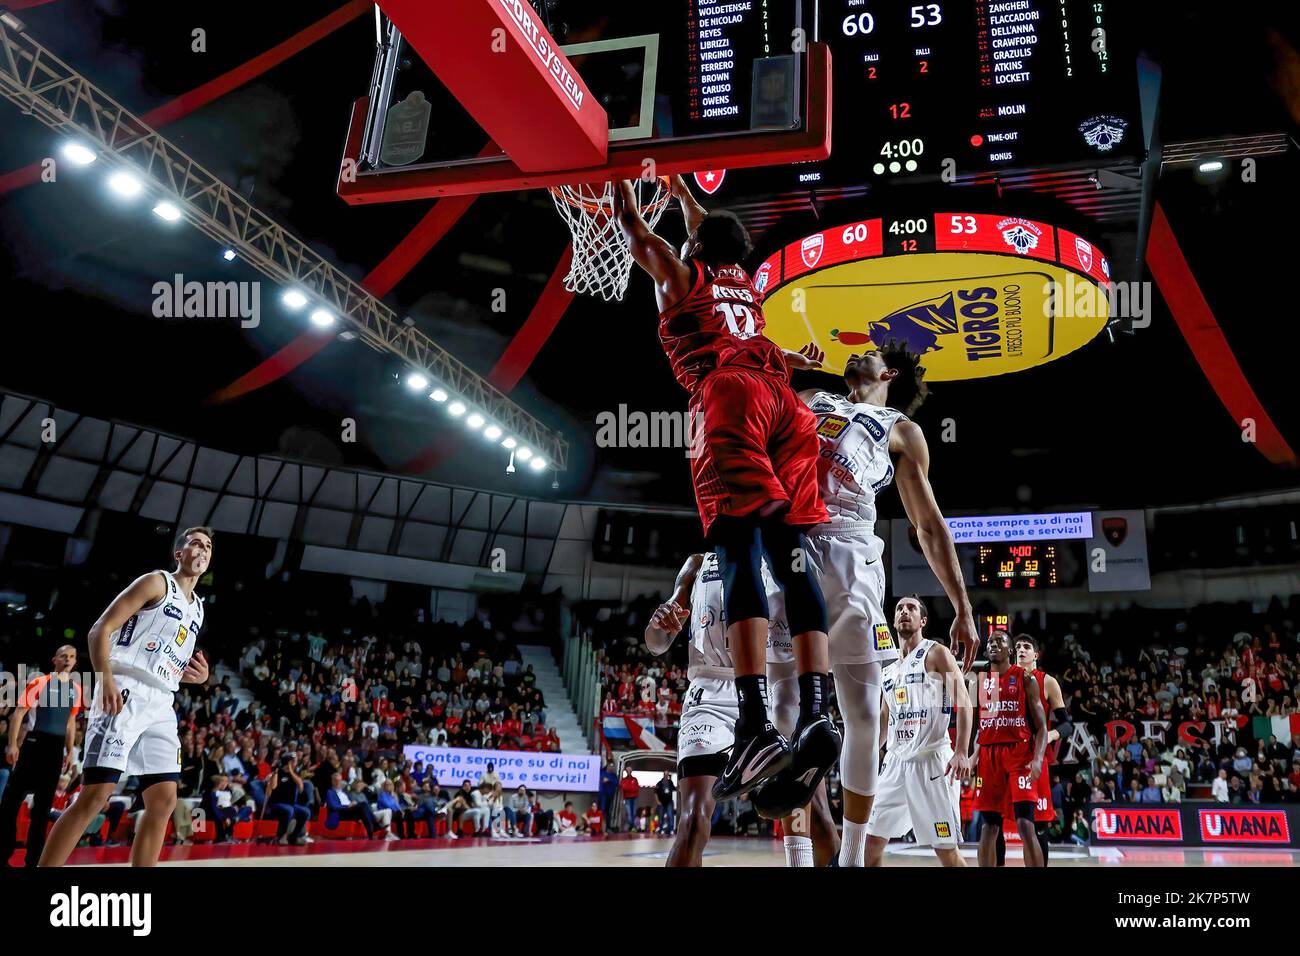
pixel 970 86
pixel 1026 566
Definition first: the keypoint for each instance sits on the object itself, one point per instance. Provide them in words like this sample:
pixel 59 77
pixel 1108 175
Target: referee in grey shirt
pixel 49 706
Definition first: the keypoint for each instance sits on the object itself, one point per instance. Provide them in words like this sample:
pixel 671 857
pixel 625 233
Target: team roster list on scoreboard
pixel 741 66
pixel 987 84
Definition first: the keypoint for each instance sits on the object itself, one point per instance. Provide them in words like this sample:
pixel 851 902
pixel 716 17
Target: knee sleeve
pixel 805 607
pixel 783 696
pixel 739 548
pixel 857 691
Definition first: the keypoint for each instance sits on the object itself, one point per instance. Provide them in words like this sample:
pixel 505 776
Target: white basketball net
pixel 602 259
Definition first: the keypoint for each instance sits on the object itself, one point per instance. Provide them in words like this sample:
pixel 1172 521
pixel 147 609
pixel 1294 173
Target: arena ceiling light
pixel 475 421
pixel 294 299
pixel 167 211
pixel 456 409
pixel 438 395
pixel 416 382
pixel 537 464
pixel 79 154
pixel 125 185
pixel 229 255
pixel 510 443
pixel 492 432
pixel 322 318
pixel 524 453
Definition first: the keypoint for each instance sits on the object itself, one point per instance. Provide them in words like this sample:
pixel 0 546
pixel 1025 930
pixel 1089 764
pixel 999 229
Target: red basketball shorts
pixel 1002 777
pixel 757 443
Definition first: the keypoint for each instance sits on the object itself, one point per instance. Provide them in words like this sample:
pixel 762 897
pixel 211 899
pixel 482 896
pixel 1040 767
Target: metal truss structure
pixel 45 87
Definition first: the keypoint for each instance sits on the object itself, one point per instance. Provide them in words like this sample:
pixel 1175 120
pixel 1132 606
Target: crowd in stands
pixel 1232 672
pixel 323 705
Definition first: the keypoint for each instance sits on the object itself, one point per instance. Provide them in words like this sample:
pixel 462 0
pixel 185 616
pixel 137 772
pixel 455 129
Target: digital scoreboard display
pixel 984 84
pixel 673 70
pixel 1026 566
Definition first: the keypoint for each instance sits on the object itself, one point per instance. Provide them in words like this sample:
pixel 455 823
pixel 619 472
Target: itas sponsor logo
pixel 76 909
pixel 884 640
pixel 1111 823
pixel 1244 826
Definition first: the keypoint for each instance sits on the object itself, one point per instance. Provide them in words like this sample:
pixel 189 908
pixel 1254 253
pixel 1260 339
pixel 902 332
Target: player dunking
pixel 920 785
pixel 1008 763
pixel 866 441
pixel 143 649
pixel 709 719
pixel 755 477
pixel 1059 726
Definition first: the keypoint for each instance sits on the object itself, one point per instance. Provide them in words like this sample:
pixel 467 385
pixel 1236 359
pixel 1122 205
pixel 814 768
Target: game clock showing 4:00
pixel 987 84
pixel 1014 567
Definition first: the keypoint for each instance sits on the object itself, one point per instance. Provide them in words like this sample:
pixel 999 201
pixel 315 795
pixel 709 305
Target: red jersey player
pixel 1008 759
pixel 1059 727
pixel 755 476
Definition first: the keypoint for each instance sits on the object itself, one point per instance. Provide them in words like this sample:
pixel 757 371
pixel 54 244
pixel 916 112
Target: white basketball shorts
pixel 141 740
pixel 918 795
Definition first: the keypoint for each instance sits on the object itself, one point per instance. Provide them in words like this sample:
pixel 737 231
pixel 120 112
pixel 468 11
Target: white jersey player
pixel 710 711
pixel 865 446
pixel 143 648
pixel 920 786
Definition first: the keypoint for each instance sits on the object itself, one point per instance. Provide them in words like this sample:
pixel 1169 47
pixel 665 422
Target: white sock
pixel 853 844
pixel 798 851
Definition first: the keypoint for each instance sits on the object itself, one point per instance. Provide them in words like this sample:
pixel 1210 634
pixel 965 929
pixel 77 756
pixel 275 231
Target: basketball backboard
pixel 688 85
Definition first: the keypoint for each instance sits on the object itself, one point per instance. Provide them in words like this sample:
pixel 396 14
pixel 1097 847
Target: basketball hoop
pixel 602 259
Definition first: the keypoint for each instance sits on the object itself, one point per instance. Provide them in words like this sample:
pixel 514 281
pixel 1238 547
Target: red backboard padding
pixel 497 58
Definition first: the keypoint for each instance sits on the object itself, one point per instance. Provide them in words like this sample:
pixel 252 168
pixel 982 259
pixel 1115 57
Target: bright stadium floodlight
pixel 322 318
pixel 492 432
pixel 79 154
pixel 456 409
pixel 229 255
pixel 166 211
pixel 125 185
pixel 475 421
pixel 294 299
pixel 523 454
pixel 538 463
pixel 510 443
pixel 416 382
pixel 438 395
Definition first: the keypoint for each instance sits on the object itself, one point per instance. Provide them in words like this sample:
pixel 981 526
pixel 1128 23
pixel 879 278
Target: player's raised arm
pixel 692 211
pixel 654 255
pixel 913 480
pixel 940 661
pixel 668 618
pixel 145 591
pixel 1034 707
